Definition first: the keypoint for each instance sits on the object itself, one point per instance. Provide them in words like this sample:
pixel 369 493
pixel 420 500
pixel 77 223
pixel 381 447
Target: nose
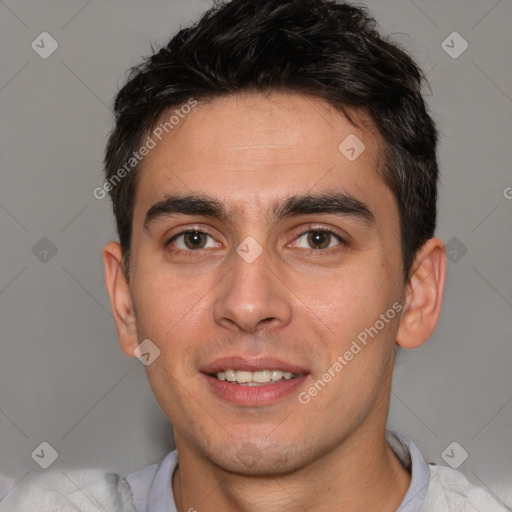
pixel 251 296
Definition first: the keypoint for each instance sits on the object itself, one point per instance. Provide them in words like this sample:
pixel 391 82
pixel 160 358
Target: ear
pixel 424 295
pixel 120 298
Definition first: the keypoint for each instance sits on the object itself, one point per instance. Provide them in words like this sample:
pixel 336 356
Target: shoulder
pixel 449 490
pixel 59 491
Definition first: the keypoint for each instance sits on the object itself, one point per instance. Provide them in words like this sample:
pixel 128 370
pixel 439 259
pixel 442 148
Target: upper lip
pixel 251 365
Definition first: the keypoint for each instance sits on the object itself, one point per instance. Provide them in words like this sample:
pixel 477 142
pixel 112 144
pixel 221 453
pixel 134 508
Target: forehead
pixel 250 150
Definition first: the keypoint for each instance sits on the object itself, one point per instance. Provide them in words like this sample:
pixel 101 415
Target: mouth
pixel 253 381
pixel 257 378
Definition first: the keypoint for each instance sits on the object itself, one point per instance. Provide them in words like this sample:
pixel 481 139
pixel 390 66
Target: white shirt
pixel 432 488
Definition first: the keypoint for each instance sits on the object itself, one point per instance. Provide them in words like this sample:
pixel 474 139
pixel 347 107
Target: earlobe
pixel 120 298
pixel 424 295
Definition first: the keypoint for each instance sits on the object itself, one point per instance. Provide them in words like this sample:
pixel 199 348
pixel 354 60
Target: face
pixel 259 245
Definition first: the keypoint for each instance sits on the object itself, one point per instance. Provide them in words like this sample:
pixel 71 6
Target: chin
pixel 251 459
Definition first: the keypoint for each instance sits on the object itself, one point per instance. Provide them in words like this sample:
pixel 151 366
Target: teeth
pixel 261 376
pixel 254 378
pixel 242 376
pixel 276 374
pixel 230 375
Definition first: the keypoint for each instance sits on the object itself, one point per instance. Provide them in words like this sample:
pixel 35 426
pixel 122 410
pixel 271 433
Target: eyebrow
pixel 339 203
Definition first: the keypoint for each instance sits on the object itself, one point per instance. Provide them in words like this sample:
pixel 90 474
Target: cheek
pixel 354 297
pixel 361 337
pixel 172 315
pixel 164 301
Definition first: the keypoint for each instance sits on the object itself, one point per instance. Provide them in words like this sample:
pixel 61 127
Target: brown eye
pixel 192 240
pixel 318 239
pixel 195 240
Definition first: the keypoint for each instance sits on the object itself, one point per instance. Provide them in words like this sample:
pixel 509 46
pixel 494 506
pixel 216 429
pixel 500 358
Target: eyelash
pixel 311 229
pixel 188 253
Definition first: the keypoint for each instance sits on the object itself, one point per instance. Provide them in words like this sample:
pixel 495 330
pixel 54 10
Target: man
pixel 274 179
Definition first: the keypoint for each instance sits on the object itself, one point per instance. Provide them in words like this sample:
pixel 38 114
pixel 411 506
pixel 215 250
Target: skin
pixel 296 302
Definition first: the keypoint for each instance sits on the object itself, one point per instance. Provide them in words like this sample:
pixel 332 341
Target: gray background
pixel 63 378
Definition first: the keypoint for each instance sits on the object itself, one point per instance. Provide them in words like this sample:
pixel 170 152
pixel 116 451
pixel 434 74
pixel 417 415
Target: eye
pixel 192 240
pixel 318 239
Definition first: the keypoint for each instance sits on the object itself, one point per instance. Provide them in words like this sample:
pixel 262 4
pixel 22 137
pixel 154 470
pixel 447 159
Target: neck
pixel 362 473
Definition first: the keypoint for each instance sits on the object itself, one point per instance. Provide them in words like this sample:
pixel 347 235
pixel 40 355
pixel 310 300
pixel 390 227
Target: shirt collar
pixel 152 486
pixel 412 460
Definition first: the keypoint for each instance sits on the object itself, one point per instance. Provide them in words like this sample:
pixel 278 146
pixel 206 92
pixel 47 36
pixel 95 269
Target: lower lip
pixel 263 394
